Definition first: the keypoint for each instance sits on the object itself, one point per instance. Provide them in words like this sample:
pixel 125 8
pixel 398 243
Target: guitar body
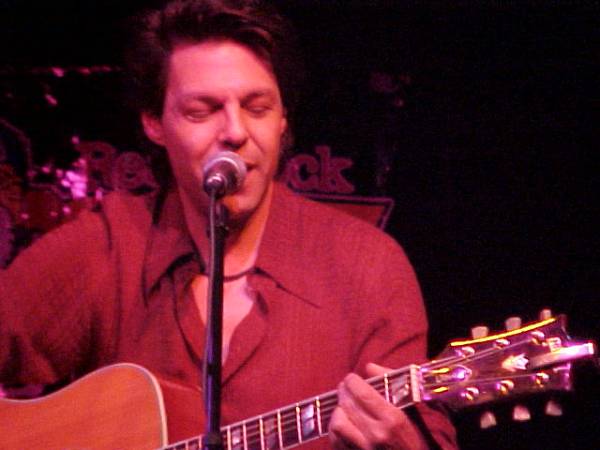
pixel 121 406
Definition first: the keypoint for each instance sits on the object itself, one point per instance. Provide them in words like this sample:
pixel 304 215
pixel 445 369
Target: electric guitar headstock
pixel 523 360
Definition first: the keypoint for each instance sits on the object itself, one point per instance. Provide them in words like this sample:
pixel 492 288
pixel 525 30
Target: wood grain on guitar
pixel 124 406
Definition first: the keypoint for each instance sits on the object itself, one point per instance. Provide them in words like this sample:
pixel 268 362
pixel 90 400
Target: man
pixel 310 294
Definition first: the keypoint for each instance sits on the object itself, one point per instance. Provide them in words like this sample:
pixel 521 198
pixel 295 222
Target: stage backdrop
pixel 465 130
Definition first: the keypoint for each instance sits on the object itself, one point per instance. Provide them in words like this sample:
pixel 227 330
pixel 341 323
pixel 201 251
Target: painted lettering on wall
pixel 321 173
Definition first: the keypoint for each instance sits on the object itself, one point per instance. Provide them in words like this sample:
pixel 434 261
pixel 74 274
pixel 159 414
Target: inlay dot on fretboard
pixel 399 390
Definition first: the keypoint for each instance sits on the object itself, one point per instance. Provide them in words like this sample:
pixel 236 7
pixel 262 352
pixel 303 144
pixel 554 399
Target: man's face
pixel 220 96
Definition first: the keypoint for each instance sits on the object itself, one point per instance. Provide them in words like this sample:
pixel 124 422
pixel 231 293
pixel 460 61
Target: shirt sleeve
pixel 45 318
pixel 394 333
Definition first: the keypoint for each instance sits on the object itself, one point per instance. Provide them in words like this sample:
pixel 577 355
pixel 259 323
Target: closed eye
pixel 198 114
pixel 200 111
pixel 259 103
pixel 258 110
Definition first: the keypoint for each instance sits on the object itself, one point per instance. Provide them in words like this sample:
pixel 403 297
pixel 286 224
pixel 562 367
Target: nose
pixel 233 133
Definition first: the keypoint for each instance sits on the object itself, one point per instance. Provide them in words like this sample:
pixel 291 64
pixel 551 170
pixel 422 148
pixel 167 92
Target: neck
pixel 241 246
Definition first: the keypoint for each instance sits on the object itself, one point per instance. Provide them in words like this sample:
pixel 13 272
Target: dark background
pixel 490 156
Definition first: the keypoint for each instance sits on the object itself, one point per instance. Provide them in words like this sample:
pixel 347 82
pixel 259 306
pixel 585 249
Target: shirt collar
pixel 169 242
pixel 279 256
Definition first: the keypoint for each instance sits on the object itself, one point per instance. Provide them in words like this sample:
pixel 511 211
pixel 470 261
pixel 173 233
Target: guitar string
pixel 254 437
pixel 380 386
pixel 328 401
pixel 289 423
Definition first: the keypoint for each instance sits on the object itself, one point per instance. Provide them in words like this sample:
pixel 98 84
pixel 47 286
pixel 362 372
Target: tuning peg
pixel 479 332
pixel 521 413
pixel 553 408
pixel 512 323
pixel 545 314
pixel 487 420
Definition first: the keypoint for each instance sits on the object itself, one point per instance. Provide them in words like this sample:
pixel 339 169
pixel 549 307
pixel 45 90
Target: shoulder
pixel 317 244
pixel 92 232
pixel 324 226
pixel 343 263
pixel 124 205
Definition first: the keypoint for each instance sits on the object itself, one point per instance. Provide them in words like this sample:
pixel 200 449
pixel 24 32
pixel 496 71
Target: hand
pixel 364 420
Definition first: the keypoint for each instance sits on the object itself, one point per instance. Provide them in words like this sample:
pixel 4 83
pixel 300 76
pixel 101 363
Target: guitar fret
pixel 262 433
pixel 386 387
pixel 298 427
pixel 319 424
pixel 228 438
pixel 245 436
pixel 279 433
pixel 415 384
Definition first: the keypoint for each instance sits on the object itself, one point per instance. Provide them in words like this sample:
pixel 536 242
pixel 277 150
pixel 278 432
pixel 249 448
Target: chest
pixel 278 348
pixel 238 300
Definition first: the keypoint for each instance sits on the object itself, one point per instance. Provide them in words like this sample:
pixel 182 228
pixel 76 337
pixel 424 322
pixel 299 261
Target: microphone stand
pixel 217 229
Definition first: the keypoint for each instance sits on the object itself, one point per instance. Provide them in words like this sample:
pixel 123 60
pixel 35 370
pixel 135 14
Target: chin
pixel 239 207
pixel 244 203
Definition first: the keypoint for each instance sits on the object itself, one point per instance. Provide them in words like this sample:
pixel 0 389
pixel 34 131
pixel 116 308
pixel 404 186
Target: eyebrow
pixel 212 100
pixel 268 93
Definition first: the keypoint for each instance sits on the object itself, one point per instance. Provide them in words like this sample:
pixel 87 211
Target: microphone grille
pixel 227 169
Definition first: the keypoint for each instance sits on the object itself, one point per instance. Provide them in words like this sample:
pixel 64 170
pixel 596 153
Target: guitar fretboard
pixel 301 422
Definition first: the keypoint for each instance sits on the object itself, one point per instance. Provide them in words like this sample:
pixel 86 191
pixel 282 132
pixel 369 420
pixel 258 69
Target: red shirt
pixel 333 293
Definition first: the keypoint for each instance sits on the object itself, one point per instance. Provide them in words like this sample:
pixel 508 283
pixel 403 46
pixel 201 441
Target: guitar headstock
pixel 530 359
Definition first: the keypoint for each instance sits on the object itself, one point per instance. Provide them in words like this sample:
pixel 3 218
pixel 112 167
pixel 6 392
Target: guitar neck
pixel 535 358
pixel 307 420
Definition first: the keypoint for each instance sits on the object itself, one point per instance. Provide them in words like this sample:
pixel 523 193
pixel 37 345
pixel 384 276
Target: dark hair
pixel 252 23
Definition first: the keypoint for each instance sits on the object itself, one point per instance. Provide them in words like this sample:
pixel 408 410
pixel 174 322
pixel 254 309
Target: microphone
pixel 223 174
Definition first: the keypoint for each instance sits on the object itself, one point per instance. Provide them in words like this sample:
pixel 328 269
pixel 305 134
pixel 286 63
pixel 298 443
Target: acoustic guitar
pixel 124 406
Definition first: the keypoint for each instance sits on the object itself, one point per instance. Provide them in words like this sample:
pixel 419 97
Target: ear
pixel 153 128
pixel 284 124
